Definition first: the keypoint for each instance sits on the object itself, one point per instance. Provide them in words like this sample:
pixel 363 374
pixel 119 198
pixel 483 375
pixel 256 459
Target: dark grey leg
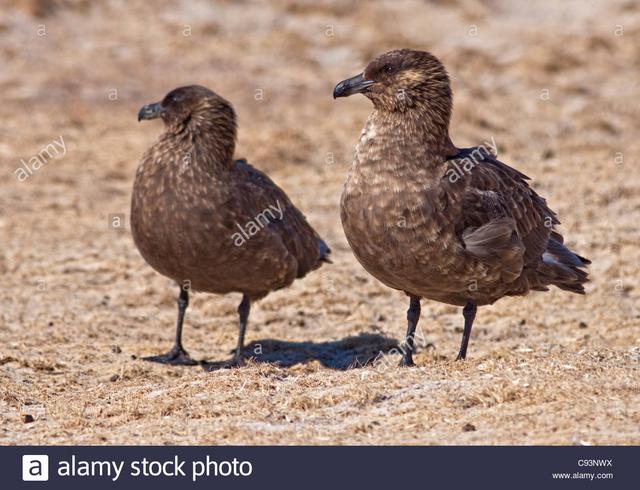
pixel 177 355
pixel 469 313
pixel 413 315
pixel 243 313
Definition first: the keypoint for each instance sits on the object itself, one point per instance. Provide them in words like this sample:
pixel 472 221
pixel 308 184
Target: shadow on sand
pixel 350 352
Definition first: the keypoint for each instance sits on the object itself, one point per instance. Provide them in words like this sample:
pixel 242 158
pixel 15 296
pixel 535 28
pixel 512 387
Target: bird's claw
pixel 406 361
pixel 175 357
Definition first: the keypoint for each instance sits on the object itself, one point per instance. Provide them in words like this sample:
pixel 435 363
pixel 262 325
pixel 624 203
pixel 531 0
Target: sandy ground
pixel 556 84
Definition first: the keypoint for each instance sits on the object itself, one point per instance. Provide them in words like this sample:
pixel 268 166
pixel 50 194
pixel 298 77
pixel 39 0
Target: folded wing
pixel 505 223
pixel 300 239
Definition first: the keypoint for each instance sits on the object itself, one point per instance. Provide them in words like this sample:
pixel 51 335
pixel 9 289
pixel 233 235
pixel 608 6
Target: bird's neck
pixel 407 136
pixel 209 142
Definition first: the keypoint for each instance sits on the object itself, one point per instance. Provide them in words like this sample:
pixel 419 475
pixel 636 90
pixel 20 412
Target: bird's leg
pixel 413 315
pixel 243 314
pixel 469 313
pixel 177 355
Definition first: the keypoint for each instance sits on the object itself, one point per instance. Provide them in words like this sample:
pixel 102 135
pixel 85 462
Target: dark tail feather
pixel 584 261
pixel 556 245
pixel 562 268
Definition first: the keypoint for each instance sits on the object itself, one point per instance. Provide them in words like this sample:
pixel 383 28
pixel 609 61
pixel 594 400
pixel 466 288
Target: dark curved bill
pixel 150 111
pixel 350 86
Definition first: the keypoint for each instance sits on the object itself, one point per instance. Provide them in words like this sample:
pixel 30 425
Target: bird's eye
pixel 387 68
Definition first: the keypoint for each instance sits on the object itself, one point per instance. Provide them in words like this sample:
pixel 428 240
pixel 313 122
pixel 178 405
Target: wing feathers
pixel 507 224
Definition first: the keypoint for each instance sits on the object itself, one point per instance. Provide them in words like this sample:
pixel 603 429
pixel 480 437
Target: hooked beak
pixel 350 86
pixel 150 111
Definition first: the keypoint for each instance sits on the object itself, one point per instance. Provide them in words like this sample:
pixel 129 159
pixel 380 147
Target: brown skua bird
pixel 436 221
pixel 212 223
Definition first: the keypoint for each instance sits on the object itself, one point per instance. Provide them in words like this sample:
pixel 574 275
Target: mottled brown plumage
pixel 209 222
pixel 438 222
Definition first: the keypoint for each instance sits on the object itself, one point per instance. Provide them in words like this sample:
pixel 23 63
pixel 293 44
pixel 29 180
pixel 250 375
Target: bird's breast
pixel 396 214
pixel 178 219
pixel 396 226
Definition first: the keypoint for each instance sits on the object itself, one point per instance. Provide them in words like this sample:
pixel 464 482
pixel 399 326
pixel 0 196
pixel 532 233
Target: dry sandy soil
pixel 556 85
